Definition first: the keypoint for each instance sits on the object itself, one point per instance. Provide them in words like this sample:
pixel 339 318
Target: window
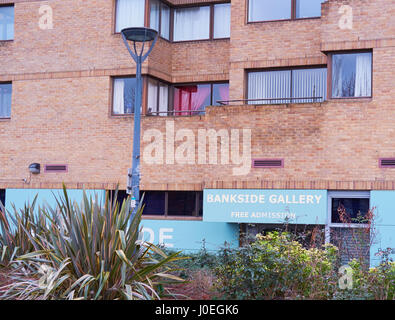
pixel 349 210
pixel 129 13
pixel 173 203
pixel 5 100
pixel 352 75
pixel 160 18
pixel 308 8
pixel 287 86
pixel 158 98
pixel 124 90
pixel 222 20
pixel 265 10
pixel 193 99
pixel 269 10
pixel 191 23
pixel 349 207
pixel 6 22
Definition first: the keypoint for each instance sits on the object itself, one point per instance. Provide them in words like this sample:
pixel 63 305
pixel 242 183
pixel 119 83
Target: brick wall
pixel 61 101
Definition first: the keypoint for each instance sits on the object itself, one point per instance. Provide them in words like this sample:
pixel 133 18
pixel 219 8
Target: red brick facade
pixel 61 100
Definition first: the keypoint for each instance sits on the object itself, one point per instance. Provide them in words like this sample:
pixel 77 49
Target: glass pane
pixel 154 202
pixel 163 99
pixel 265 10
pixel 266 86
pixel 181 203
pixel 352 75
pixel 124 95
pixel 152 101
pixel 222 20
pixel 349 210
pixel 191 98
pixel 308 8
pixel 5 100
pixel 7 23
pixel 130 13
pixel 165 22
pixel 220 93
pixel 192 23
pixel 154 14
pixel 309 83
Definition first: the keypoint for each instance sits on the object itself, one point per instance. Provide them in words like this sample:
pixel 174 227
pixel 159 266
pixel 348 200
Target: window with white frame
pixel 348 207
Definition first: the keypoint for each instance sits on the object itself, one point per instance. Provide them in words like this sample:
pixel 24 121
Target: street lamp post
pixel 135 35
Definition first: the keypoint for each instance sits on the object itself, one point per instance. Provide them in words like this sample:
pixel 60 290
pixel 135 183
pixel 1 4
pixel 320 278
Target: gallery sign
pixel 265 206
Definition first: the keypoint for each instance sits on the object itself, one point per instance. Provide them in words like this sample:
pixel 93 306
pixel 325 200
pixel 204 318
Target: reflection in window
pixel 6 22
pixel 308 8
pixel 352 75
pixel 266 10
pixel 130 13
pixel 5 100
pixel 349 210
pixel 285 86
pixel 191 23
pixel 124 95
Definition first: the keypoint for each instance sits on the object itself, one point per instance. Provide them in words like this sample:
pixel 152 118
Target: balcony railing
pixel 274 100
pixel 240 101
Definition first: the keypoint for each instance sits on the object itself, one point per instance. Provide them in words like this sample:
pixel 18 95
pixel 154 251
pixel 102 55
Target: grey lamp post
pixel 134 35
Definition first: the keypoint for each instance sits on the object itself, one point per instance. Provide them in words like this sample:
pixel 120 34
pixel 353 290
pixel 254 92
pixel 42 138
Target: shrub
pixel 87 251
pixel 275 266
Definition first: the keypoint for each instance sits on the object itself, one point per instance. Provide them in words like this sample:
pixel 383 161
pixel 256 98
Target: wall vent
pixel 268 163
pixel 55 168
pixel 387 163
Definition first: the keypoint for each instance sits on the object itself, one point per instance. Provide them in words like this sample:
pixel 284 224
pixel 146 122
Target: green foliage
pixel 374 284
pixel 86 251
pixel 277 267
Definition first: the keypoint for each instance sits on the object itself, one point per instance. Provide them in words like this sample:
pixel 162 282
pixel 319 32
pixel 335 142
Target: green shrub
pixel 277 267
pixel 87 251
pixel 373 284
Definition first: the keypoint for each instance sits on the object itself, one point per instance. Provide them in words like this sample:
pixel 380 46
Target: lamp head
pixel 139 34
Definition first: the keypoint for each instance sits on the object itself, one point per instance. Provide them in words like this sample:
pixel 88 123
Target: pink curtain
pixel 190 98
pixel 224 92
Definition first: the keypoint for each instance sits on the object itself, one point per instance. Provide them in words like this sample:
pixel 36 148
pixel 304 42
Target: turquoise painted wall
pixel 189 235
pixel 265 206
pixel 383 203
pixel 19 197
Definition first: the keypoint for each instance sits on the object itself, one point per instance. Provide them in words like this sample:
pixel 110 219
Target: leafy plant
pixel 89 251
pixel 277 267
